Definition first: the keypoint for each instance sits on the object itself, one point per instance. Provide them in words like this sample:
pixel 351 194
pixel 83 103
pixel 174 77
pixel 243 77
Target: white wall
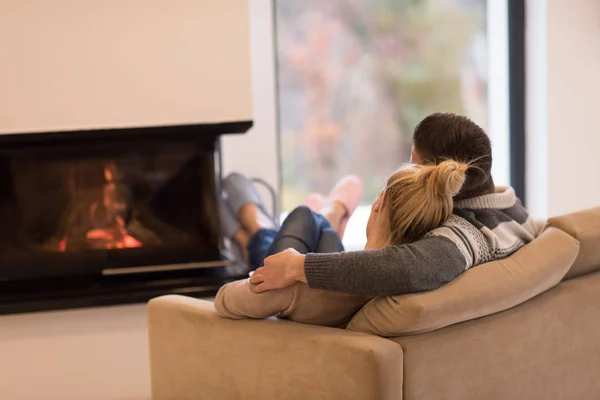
pixel 563 107
pixel 256 153
pixel 70 64
pixel 67 65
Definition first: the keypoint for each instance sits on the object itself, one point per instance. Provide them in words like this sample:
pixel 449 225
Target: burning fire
pixel 110 231
pixel 115 237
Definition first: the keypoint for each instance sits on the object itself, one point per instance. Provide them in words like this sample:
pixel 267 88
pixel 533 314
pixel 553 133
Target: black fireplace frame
pixel 194 279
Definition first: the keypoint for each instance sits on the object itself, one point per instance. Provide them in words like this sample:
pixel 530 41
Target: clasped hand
pixel 279 271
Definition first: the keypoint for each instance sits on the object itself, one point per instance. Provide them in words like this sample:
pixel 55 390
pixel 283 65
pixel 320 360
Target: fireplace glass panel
pixel 87 209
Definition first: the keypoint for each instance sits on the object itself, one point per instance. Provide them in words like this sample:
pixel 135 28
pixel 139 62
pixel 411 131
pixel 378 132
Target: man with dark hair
pixel 487 224
pixel 450 136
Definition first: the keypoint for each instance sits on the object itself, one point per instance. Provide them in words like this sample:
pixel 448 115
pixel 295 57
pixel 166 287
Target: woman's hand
pixel 280 270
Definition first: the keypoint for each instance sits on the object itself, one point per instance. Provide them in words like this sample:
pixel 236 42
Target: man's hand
pixel 280 270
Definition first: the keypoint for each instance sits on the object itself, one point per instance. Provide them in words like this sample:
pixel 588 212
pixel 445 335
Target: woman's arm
pixel 236 300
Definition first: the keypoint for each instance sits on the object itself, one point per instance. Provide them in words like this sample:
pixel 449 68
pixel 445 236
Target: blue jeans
pixel 303 230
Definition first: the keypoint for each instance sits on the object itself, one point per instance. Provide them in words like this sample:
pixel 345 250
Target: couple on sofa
pixel 435 219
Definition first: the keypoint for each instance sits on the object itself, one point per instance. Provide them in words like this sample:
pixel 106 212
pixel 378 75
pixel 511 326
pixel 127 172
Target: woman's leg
pixel 330 242
pixel 301 231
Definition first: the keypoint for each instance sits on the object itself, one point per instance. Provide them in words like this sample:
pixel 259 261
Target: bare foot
pixel 335 214
pixel 253 218
pixel 242 237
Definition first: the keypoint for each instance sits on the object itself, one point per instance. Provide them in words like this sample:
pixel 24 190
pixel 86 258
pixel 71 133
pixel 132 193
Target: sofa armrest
pixel 195 354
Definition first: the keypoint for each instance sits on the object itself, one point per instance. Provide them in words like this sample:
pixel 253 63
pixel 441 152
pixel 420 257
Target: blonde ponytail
pixel 419 198
pixel 449 176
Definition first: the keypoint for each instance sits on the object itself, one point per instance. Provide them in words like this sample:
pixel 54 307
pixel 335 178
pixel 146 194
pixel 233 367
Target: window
pixel 355 77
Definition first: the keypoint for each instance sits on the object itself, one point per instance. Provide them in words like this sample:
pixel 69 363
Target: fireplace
pixel 110 148
pixel 110 216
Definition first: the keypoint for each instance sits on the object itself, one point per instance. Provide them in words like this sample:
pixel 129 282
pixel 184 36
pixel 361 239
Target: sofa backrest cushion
pixel 482 290
pixel 585 227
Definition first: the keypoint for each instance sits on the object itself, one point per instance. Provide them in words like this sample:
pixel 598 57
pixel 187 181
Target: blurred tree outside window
pixel 355 76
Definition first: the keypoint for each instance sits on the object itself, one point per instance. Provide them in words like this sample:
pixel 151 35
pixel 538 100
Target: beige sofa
pixel 542 346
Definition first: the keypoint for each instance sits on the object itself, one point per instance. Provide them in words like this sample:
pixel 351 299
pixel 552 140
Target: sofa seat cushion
pixel 585 227
pixel 482 290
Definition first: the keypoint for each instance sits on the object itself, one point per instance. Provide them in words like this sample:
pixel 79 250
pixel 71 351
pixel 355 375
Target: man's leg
pixel 257 235
pixel 258 247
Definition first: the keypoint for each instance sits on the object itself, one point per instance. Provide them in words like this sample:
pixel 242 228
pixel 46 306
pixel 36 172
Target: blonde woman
pixel 416 200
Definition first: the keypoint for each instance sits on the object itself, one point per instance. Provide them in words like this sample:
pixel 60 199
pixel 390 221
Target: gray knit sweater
pixel 481 229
